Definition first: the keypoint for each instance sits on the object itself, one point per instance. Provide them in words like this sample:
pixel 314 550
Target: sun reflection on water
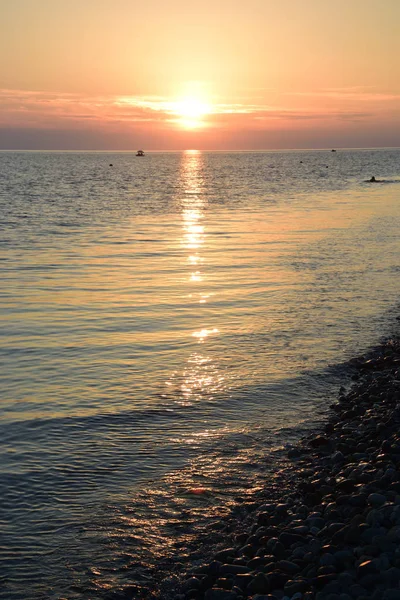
pixel 201 335
pixel 200 378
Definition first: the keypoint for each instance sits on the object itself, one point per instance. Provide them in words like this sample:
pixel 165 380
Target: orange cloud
pixel 301 114
pixel 22 108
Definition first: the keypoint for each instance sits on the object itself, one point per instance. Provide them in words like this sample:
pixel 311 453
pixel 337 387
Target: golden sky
pixel 221 74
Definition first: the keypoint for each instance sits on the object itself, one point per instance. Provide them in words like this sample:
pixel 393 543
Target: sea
pixel 170 325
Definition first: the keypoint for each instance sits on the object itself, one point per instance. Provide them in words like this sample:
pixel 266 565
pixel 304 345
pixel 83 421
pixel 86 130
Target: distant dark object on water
pixel 374 180
pixel 327 167
pixel 333 150
pixel 140 153
pixel 111 164
pixel 301 161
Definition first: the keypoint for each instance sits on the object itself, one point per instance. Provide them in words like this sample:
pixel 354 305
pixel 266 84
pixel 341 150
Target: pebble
pixel 296 586
pixel 233 569
pixel 191 584
pixel 259 584
pixel 376 500
pixel 288 567
pixel 220 594
pixel 223 555
pixel 327 559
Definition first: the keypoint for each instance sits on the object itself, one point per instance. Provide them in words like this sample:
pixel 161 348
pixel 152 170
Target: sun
pixel 192 111
pixel 192 108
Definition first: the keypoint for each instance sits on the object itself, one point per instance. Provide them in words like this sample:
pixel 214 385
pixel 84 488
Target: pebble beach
pixel 330 527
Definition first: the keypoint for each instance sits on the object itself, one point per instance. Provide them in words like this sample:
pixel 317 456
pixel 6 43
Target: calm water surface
pixel 170 322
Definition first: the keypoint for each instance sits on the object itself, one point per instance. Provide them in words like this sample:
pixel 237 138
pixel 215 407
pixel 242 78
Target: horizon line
pixel 110 151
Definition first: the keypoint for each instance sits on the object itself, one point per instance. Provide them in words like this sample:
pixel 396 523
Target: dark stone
pixel 356 590
pixel 376 500
pixel 193 595
pixel 223 555
pixel 328 569
pixel 242 560
pixel 224 583
pixel 263 518
pixel 313 498
pixel 323 580
pixel 310 572
pixel 259 585
pixel 207 582
pixel 342 499
pixel 333 587
pixel 296 585
pixel 288 539
pixel 371 550
pixel 288 567
pixel 327 559
pixel 368 567
pixel 233 569
pixel 248 551
pixel 279 550
pixel 219 594
pixel 214 567
pixel 269 567
pixel 370 581
pixel 334 527
pixel 316 522
pixel 277 580
pixel 281 509
pixel 369 534
pixel 392 576
pixel 344 558
pixel 242 580
pixel 191 584
pixel 348 533
pixel 294 453
pixel 345 580
pixel 383 543
pixel 346 485
pixel 241 538
pixel 319 441
pixel 358 500
pixel 258 561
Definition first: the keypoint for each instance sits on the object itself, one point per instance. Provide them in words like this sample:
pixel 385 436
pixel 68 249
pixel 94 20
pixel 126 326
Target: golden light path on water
pixel 201 375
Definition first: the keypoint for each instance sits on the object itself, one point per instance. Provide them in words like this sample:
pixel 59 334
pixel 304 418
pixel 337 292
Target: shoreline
pixel 329 526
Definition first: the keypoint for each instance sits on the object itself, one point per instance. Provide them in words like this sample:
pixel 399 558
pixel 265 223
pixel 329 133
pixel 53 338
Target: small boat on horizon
pixel 140 153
